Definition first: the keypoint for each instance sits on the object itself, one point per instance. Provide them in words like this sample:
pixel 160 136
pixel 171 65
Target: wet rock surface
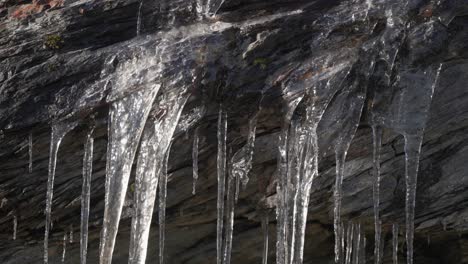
pixel 62 60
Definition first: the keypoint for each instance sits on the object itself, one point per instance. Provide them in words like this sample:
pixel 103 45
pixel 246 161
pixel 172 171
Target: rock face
pixel 69 60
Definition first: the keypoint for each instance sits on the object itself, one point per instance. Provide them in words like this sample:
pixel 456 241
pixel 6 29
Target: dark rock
pixel 67 60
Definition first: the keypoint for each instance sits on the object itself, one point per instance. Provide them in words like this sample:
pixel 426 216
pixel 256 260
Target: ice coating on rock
pixel 127 118
pixel 86 194
pixel 196 139
pixel 221 175
pixel 59 130
pixel 395 243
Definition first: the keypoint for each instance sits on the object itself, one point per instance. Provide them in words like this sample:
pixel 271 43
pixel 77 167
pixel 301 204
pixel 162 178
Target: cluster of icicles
pixel 134 132
pixel 131 125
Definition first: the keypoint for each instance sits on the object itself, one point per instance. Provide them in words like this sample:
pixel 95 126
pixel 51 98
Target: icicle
pixel 162 207
pixel 428 239
pixel 212 7
pixel 357 243
pixel 64 246
pixel 229 225
pixel 151 171
pixel 127 118
pixel 412 152
pixel 363 250
pixel 70 236
pixel 86 194
pixel 30 152
pixel 395 243
pixel 282 189
pixel 377 139
pixel 195 160
pixel 146 182
pixel 221 171
pixel 241 162
pixel 139 18
pixel 58 132
pixel 265 223
pixel 3 202
pixel 349 243
pixel 15 226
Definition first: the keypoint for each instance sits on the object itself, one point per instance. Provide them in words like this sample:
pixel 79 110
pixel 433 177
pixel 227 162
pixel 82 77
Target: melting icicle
pixel 64 246
pixel 195 160
pixel 58 132
pixel 221 171
pixel 15 226
pixel 86 194
pixel 139 18
pixel 395 243
pixel 30 152
pixel 265 223
pixel 377 139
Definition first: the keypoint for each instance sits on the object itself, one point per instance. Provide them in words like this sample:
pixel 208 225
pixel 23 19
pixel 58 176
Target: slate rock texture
pixel 61 60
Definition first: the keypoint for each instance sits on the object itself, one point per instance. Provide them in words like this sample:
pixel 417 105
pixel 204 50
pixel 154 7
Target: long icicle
pixel 146 183
pixel 196 139
pixel 58 132
pixel 282 186
pixel 86 194
pixel 412 153
pixel 221 171
pixel 30 152
pixel 127 118
pixel 162 207
pixel 229 225
pixel 349 125
pixel 377 143
pixel 265 230
pixel 395 243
